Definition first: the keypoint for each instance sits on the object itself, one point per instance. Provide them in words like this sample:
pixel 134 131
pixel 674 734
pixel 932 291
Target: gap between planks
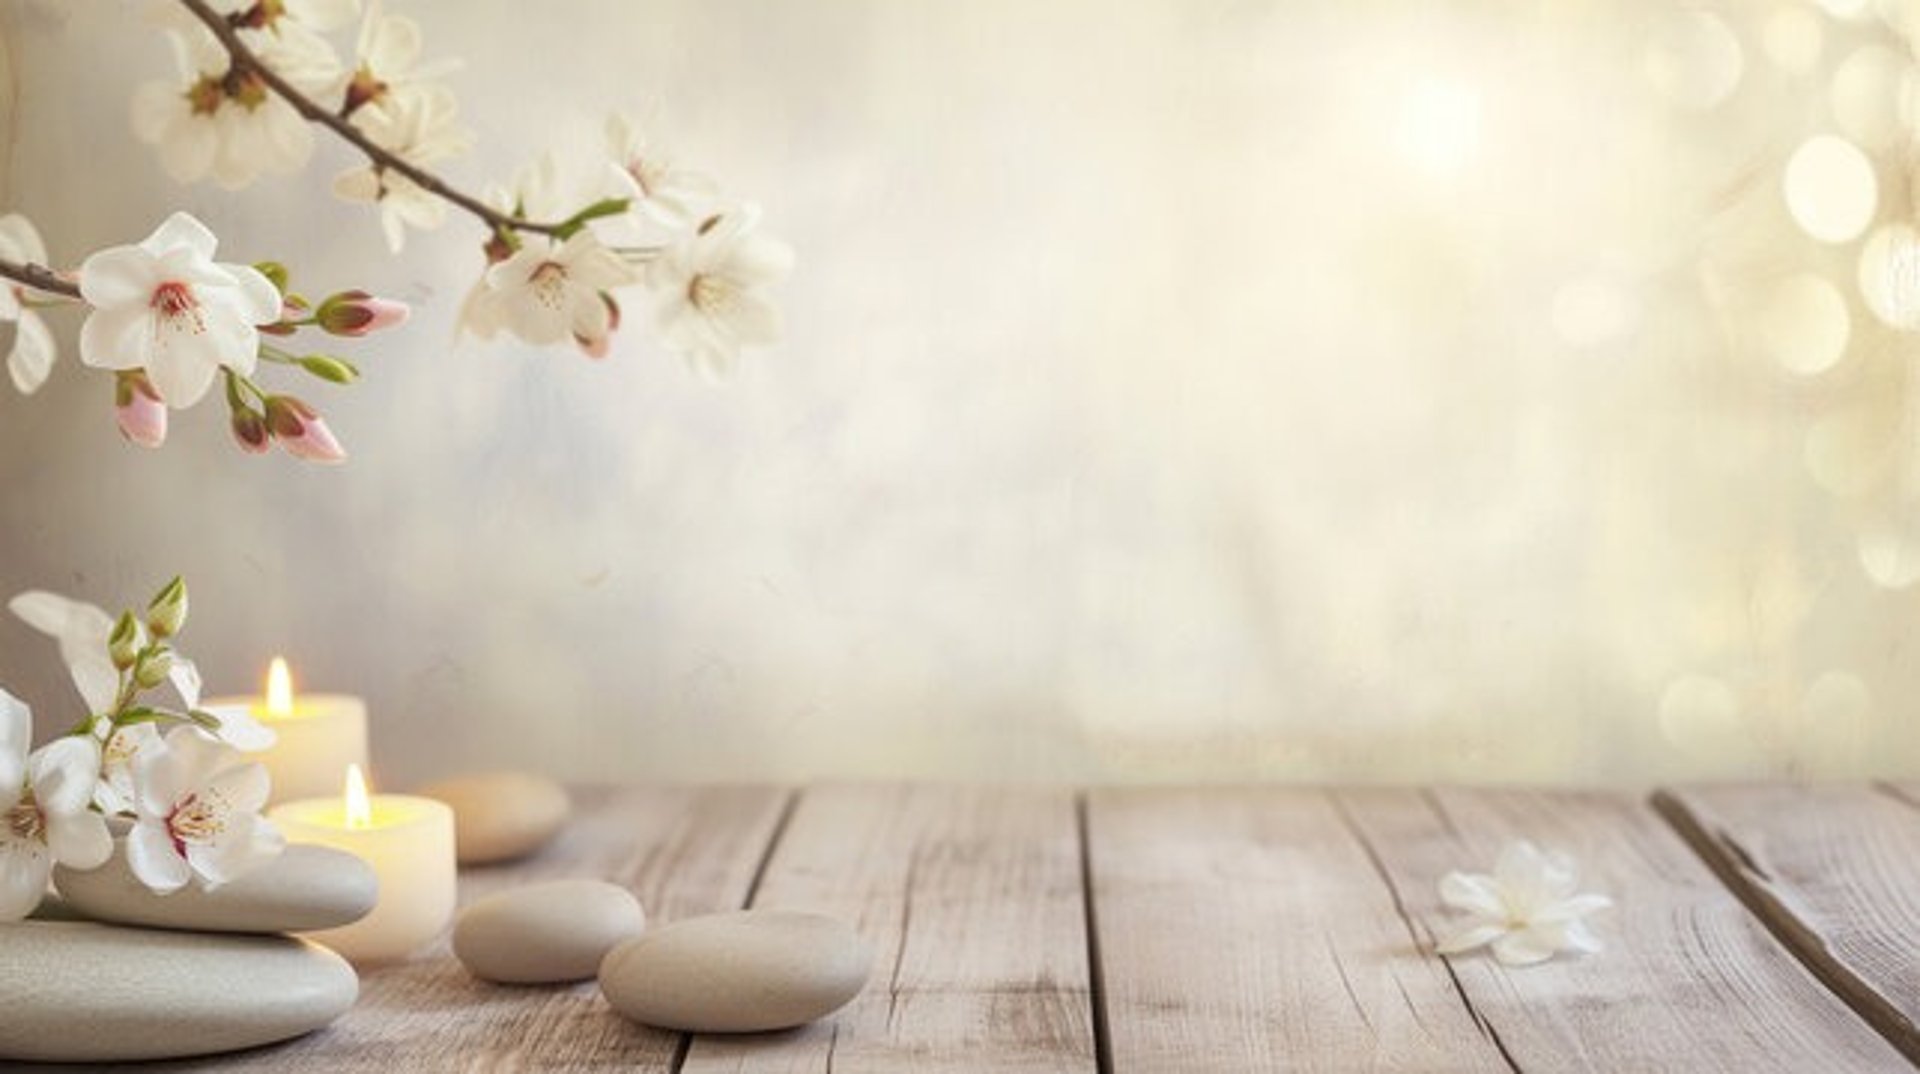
pixel 1773 903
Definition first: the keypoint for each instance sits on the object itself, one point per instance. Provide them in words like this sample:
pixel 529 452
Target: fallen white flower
pixel 1527 909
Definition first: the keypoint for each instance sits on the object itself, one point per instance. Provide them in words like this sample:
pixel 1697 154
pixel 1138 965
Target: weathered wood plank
pixel 1835 872
pixel 971 898
pixel 1247 929
pixel 683 850
pixel 1689 980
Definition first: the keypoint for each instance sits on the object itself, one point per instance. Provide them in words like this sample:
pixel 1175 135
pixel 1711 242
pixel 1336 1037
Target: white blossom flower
pixel 198 805
pixel 31 358
pixel 82 630
pixel 166 306
pixel 547 292
pixel 420 129
pixel 643 172
pixel 706 287
pixel 212 122
pixel 44 814
pixel 389 71
pixel 1528 909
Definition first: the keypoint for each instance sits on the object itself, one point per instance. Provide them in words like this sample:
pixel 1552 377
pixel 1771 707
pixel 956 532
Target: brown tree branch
pixel 244 59
pixel 38 277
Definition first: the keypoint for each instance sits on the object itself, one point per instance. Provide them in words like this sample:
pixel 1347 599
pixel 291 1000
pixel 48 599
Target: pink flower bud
pixel 250 431
pixel 137 409
pixel 356 313
pixel 300 430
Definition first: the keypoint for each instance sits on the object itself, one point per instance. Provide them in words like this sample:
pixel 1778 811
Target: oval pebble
pixel 743 972
pixel 545 933
pixel 500 816
pixel 81 992
pixel 305 888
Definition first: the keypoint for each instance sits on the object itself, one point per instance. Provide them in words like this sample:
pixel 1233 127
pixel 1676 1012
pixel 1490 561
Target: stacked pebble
pixel 113 972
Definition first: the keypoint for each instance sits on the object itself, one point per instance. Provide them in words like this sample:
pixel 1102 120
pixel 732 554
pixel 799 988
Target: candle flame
pixel 359 810
pixel 279 689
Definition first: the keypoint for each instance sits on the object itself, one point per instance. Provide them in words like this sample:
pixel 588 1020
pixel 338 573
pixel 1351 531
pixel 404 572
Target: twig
pixel 38 277
pixel 244 59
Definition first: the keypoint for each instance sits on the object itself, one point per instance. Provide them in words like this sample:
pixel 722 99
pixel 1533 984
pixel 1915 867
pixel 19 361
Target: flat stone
pixel 305 888
pixel 744 972
pixel 83 992
pixel 545 933
pixel 500 816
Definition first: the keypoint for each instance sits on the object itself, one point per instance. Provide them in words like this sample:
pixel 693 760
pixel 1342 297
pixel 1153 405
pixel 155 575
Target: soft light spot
pixel 1439 126
pixel 1890 275
pixel 1803 324
pixel 1694 60
pixel 1792 37
pixel 1889 555
pixel 1866 95
pixel 1589 312
pixel 1830 188
pixel 1845 454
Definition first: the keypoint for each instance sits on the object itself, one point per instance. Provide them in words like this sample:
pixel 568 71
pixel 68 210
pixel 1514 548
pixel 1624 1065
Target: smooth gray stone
pixel 82 992
pixel 501 816
pixel 545 933
pixel 305 888
pixel 743 972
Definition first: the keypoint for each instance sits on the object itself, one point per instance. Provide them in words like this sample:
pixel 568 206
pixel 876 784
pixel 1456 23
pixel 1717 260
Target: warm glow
pixel 1439 126
pixel 359 810
pixel 279 689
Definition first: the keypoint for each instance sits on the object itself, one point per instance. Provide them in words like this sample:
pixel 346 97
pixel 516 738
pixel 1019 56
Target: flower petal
pixel 239 729
pixel 16 731
pixel 116 337
pixel 257 299
pixel 248 843
pixel 24 866
pixel 20 241
pixel 185 677
pixel 181 229
pixel 79 840
pixel 1469 935
pixel 119 276
pixel 33 352
pixel 1475 893
pixel 1527 947
pixel 243 787
pixel 151 856
pixel 183 371
pixel 63 773
pixel 1571 908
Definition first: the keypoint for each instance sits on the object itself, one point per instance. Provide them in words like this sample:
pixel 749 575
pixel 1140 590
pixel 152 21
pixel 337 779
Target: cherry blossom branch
pixel 39 277
pixel 244 59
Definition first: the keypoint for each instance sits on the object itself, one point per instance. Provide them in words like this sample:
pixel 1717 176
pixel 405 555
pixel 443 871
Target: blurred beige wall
pixel 1173 390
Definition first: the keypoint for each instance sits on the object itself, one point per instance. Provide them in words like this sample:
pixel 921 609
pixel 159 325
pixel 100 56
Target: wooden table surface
pixel 1766 928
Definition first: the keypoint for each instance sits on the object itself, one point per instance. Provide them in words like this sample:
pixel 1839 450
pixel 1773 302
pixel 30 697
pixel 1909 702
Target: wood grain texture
pixel 1247 929
pixel 683 850
pixel 1835 872
pixel 971 898
pixel 1689 979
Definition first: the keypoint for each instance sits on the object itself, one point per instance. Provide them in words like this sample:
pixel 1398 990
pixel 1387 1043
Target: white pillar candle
pixel 409 843
pixel 319 735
